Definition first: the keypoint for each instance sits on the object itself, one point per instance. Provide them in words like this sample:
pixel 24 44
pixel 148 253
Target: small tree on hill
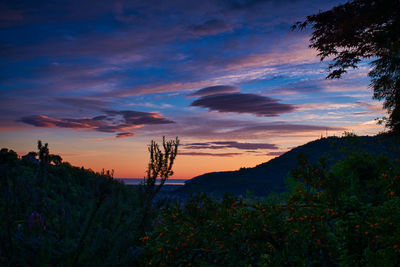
pixel 44 156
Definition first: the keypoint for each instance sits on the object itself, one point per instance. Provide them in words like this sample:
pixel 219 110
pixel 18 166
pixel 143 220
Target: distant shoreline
pixel 135 181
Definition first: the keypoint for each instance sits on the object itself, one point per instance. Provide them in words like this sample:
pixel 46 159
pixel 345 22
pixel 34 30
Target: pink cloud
pixel 112 122
pixel 210 154
pixel 124 135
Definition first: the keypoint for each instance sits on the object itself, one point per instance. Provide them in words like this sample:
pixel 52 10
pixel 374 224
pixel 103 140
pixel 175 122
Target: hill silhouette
pixel 270 176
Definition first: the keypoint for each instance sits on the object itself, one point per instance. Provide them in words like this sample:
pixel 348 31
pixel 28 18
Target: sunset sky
pixel 98 80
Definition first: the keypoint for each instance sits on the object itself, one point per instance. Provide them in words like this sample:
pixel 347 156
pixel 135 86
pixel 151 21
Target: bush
pixel 348 215
pixel 56 214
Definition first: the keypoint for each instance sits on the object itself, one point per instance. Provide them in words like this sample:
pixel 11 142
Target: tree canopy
pixel 357 30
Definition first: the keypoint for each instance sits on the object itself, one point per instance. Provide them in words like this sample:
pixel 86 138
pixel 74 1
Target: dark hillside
pixel 269 176
pixel 61 215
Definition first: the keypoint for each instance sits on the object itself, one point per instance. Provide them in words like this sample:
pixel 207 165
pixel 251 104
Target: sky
pixel 98 80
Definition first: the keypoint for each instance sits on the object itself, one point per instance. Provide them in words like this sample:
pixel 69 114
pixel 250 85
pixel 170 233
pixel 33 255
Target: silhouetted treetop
pixel 362 29
pixel 353 31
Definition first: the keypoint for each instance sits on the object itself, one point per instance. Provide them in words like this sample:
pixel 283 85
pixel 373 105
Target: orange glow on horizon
pixel 128 157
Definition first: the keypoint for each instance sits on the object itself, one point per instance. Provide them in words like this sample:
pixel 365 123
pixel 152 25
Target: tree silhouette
pixel 159 168
pixel 55 159
pixel 160 164
pixel 362 29
pixel 44 156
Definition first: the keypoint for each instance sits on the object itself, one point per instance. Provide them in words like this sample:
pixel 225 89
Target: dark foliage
pixel 158 171
pixel 344 213
pixel 60 215
pixel 44 219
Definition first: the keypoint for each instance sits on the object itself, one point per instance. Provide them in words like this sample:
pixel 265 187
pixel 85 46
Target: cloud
pixel 94 51
pixel 138 117
pixel 211 27
pixel 209 154
pixel 124 135
pixel 244 103
pixel 245 4
pixel 48 122
pixel 83 102
pixel 275 153
pixel 207 126
pixel 245 146
pixel 370 108
pixel 218 89
pixel 314 83
pixel 10 17
pixel 289 128
pixel 230 144
pixel 106 57
pixel 112 122
pixel 292 56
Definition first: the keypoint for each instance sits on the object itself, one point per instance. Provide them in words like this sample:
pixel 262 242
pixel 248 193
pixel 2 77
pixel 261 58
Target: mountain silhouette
pixel 270 176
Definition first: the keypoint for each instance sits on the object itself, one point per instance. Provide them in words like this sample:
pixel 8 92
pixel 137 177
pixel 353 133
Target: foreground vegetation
pixel 52 213
pixel 348 215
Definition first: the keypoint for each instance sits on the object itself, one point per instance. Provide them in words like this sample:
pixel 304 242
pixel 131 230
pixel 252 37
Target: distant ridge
pixel 269 176
pixel 135 181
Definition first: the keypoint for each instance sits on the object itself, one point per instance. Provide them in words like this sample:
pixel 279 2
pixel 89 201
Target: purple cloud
pixel 113 122
pixel 10 17
pixel 48 122
pixel 288 128
pixel 211 27
pixel 138 117
pixel 205 126
pixel 124 135
pixel 83 102
pixel 113 53
pixel 245 146
pixel 244 103
pixel 209 154
pixel 94 51
pixel 218 89
pixel 230 144
pixel 246 4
